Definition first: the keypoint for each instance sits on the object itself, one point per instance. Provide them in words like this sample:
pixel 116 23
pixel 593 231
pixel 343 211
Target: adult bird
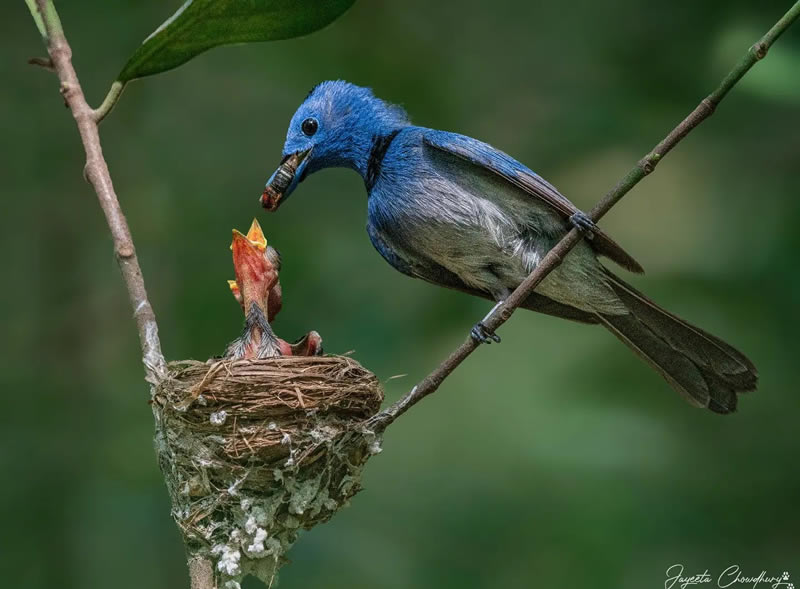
pixel 459 213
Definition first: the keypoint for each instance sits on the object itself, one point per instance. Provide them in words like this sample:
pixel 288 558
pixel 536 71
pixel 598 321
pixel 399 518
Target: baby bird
pixel 258 291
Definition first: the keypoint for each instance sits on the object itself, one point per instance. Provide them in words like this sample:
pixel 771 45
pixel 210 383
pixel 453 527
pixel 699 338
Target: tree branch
pixel 96 171
pixel 645 166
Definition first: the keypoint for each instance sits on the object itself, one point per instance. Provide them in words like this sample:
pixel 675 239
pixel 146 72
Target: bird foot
pixel 583 223
pixel 482 335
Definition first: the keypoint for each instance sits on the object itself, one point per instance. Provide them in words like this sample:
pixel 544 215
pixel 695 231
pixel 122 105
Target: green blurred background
pixel 556 459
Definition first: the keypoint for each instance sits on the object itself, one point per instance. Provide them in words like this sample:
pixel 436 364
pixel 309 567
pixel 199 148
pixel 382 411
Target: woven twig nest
pixel 253 451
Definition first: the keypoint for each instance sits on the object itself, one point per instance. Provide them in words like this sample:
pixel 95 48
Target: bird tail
pixel 704 369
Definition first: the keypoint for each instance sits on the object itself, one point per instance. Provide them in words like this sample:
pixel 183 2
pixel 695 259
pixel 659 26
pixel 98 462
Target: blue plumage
pixel 457 212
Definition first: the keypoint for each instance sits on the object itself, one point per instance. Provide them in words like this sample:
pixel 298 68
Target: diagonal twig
pixel 643 167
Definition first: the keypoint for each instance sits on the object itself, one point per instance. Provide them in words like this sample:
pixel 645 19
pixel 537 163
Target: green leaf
pixel 199 25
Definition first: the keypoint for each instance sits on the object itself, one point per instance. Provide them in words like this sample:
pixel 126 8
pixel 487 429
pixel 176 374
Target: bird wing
pixel 503 165
pixel 434 273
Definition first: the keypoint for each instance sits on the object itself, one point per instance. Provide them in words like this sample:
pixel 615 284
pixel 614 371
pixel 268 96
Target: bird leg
pixel 479 331
pixel 583 223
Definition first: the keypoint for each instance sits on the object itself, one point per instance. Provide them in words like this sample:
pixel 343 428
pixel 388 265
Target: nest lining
pixel 255 450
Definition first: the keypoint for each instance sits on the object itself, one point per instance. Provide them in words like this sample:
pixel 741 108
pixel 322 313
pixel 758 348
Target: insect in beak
pixel 285 179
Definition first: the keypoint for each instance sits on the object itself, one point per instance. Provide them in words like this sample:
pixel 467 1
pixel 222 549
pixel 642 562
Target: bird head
pixel 334 127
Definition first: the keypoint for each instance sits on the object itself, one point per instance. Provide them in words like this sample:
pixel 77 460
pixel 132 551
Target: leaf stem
pixel 554 257
pixel 109 102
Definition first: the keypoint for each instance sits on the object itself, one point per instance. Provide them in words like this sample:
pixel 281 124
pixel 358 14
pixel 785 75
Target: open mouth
pixel 284 178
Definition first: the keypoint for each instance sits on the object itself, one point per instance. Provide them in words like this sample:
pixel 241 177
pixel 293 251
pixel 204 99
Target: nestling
pixel 459 213
pixel 258 291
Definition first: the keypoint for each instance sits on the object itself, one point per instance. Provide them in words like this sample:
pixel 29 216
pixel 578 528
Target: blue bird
pixel 459 213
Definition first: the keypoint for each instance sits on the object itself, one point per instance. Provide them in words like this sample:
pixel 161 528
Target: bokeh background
pixel 556 459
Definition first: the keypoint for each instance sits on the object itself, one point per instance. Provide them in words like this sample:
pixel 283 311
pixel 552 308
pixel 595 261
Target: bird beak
pixel 290 172
pixel 237 294
pixel 256 235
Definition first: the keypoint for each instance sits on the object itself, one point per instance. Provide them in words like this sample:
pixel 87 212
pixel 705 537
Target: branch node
pixel 125 251
pixel 649 162
pixel 709 104
pixel 67 90
pixel 760 50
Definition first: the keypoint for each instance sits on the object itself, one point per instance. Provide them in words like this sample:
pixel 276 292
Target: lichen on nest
pixel 253 451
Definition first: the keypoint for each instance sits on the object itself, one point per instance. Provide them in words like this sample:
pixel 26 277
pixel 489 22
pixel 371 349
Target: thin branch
pixel 42 63
pixel 554 257
pixel 96 171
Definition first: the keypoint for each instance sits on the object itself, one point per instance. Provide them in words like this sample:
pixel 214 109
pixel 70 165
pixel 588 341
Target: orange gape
pixel 258 291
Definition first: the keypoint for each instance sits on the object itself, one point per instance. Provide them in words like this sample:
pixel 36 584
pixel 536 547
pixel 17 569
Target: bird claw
pixel 482 335
pixel 583 223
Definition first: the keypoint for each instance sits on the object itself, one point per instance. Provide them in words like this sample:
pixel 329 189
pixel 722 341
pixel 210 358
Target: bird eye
pixel 309 126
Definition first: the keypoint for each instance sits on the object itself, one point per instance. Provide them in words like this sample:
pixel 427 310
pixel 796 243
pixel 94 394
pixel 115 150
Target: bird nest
pixel 253 451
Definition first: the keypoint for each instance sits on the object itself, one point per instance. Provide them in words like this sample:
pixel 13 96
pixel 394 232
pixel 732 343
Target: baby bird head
pixel 256 266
